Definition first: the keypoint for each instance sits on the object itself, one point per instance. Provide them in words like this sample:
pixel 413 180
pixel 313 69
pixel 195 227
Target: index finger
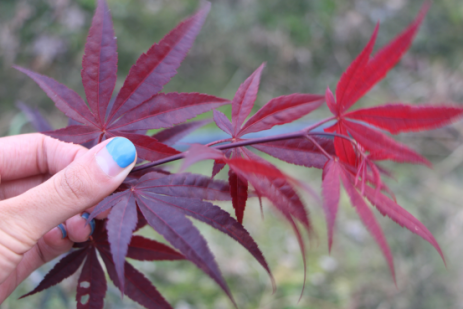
pixel 33 154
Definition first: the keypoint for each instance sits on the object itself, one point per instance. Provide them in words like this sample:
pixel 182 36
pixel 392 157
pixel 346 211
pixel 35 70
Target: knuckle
pixel 73 183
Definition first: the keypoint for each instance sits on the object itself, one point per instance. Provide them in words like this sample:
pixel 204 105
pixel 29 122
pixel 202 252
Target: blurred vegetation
pixel 307 45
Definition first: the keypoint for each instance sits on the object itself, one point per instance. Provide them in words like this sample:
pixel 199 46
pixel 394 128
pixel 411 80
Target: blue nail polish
pixel 85 215
pixel 63 231
pixel 122 150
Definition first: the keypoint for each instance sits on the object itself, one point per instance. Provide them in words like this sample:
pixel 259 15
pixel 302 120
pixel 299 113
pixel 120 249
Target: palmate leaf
pixel 363 74
pixel 139 106
pixel 91 286
pixel 277 111
pixel 165 201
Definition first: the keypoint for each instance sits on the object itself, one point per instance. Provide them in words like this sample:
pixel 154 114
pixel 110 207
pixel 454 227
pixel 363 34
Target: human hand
pixel 44 183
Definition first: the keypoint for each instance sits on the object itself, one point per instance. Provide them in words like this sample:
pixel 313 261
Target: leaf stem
pixel 318 146
pixel 247 142
pixel 218 142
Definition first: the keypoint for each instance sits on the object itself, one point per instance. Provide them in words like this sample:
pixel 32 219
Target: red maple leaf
pixel 164 200
pixel 361 76
pixel 278 111
pixel 91 286
pixel 138 106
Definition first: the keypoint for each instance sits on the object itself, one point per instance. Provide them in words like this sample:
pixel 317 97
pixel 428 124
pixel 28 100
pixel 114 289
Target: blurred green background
pixel 307 44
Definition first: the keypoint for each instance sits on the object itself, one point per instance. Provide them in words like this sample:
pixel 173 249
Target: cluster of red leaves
pixel 164 200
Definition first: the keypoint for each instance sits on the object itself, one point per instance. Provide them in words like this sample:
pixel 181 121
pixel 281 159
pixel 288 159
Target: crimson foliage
pixel 347 152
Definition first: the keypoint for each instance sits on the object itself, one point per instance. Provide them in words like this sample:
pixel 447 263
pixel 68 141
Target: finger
pixel 84 183
pixel 49 247
pixel 77 228
pixel 14 188
pixel 33 154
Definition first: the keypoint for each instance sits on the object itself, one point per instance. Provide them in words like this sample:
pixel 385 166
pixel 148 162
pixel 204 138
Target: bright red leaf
pixel 363 74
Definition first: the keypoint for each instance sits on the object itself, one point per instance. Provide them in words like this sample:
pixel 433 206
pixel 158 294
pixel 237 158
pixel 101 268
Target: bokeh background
pixel 307 44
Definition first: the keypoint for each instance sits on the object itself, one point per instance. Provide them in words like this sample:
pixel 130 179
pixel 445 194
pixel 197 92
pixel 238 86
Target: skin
pixel 45 182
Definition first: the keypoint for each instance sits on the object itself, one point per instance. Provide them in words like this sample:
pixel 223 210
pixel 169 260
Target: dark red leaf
pixel 299 151
pixel 137 287
pixel 99 63
pixel 69 102
pixel 186 185
pixel 62 270
pixel 368 218
pixel 281 110
pixel 331 187
pixel 389 208
pixel 397 118
pixel 223 122
pixel 352 80
pixel 165 110
pixel 158 65
pixel 239 194
pixel 144 249
pixel 148 148
pixel 384 60
pixel 244 99
pixel 269 182
pixel 91 287
pixel 218 219
pixel 172 135
pixel 122 220
pixel 382 146
pixel 76 134
pixel 180 232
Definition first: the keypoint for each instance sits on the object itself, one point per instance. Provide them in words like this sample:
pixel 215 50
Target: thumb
pixel 82 184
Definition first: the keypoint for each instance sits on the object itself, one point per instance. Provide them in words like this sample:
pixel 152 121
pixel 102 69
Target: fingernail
pixel 63 231
pixel 116 156
pixel 85 215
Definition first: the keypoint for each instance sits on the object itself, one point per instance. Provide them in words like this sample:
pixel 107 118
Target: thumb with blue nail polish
pixel 81 179
pixel 116 156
